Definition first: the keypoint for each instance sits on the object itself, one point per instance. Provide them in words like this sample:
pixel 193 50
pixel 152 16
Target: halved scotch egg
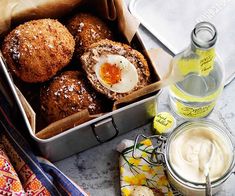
pixel 116 73
pixel 115 69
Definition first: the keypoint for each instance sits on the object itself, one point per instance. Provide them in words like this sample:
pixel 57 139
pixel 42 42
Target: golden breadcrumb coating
pixel 36 50
pixel 67 94
pixel 87 29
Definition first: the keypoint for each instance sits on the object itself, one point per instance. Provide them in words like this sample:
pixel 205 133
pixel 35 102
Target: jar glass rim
pixel 202 123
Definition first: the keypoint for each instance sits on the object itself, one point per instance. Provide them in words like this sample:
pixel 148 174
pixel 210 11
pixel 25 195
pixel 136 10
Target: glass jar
pixel 177 179
pixel 201 75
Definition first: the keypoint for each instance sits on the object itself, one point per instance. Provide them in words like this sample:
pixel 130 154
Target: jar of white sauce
pixel 188 149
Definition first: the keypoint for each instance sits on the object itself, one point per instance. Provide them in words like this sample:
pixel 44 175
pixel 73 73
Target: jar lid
pixel 164 123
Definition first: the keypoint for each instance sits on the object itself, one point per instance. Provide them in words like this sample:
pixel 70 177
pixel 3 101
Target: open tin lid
pixel 172 22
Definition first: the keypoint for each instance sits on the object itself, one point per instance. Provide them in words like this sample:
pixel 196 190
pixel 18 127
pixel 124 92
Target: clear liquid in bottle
pixel 195 95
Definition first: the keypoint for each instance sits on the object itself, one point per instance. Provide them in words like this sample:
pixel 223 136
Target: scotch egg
pixel 116 73
pixel 115 69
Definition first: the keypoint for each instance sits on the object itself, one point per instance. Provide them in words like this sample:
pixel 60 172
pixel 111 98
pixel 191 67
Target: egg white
pixel 129 75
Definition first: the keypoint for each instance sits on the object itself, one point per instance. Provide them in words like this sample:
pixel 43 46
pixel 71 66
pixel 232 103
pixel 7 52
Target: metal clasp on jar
pixel 158 154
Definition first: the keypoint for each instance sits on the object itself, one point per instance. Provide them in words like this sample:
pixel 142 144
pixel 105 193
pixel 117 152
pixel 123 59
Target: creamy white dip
pixel 191 149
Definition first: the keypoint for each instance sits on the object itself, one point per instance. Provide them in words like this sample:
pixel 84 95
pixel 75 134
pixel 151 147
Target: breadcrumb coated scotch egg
pixel 36 50
pixel 87 29
pixel 115 69
pixel 67 94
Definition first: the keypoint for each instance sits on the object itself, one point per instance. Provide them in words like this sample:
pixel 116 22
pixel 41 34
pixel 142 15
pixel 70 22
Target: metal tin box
pixel 90 133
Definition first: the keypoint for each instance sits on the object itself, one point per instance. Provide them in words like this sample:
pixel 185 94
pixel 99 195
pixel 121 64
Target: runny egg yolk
pixel 110 73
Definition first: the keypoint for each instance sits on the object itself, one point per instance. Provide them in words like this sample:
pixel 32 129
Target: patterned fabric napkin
pixel 21 172
pixel 137 172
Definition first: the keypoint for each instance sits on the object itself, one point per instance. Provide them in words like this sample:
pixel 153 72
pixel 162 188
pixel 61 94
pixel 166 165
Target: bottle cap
pixel 163 123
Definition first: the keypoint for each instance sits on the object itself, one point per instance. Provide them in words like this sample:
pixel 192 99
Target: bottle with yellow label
pixel 202 75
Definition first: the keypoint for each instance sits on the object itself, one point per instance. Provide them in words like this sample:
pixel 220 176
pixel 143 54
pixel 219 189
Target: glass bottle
pixel 202 75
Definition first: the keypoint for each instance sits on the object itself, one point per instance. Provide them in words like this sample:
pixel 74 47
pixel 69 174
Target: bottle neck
pixel 196 49
pixel 204 37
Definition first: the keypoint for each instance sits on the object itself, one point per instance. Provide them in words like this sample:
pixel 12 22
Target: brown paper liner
pixel 128 24
pixel 105 8
pixel 160 61
pixel 154 87
pixel 116 9
pixel 21 10
pixel 64 124
pixel 12 11
pixel 28 110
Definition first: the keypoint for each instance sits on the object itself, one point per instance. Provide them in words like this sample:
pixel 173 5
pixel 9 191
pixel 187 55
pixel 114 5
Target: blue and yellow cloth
pixel 21 172
pixel 137 172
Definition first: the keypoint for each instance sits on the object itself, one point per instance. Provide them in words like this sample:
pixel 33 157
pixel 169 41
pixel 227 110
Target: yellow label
pixel 163 122
pixel 206 61
pixel 193 112
pixel 201 62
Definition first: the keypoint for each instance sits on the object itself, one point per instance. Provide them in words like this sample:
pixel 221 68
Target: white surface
pixel 172 22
